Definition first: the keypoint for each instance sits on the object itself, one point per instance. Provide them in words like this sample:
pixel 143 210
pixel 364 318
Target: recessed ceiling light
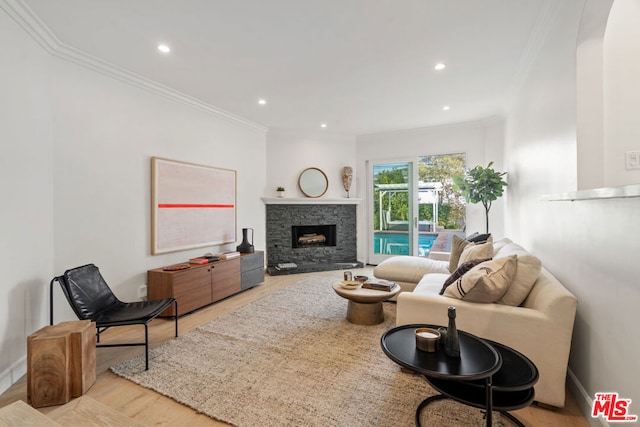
pixel 262 101
pixel 323 125
pixel 164 48
pixel 446 108
pixel 440 66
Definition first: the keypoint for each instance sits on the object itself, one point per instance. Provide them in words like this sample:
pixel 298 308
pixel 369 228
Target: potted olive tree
pixel 481 185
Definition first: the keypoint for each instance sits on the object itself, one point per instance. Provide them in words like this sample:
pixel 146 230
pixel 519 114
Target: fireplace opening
pixel 310 236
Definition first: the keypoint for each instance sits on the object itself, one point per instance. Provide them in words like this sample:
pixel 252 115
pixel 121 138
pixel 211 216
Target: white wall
pixel 105 133
pixel 621 91
pixel 26 189
pixel 480 141
pixel 590 94
pixel 75 163
pixel 590 114
pixel 289 153
pixel 591 246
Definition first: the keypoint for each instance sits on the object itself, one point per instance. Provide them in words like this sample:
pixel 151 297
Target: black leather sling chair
pixel 92 299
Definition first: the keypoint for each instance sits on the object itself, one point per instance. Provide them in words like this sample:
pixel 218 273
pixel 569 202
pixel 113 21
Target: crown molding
pixel 38 30
pixel 26 18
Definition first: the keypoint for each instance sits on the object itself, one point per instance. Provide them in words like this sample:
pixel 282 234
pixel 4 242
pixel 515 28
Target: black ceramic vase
pixel 451 342
pixel 245 247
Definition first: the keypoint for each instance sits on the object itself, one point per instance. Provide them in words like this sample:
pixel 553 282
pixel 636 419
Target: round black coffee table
pixel 488 375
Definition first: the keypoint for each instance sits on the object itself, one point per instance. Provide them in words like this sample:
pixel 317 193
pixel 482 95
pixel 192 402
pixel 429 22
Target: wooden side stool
pixel 61 362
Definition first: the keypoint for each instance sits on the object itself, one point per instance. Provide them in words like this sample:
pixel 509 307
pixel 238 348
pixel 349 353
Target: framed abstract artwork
pixel 192 206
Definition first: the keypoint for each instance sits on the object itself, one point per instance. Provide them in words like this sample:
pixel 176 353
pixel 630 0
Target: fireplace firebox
pixel 307 236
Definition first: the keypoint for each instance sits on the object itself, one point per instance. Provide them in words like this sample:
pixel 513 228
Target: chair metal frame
pixel 150 309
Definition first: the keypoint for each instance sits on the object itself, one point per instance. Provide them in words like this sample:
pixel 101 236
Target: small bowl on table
pixel 427 339
pixel 360 279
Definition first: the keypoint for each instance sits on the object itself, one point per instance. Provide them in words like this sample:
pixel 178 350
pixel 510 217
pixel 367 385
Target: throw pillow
pixel 479 238
pixel 460 272
pixel 457 245
pixel 528 269
pixel 487 282
pixel 475 251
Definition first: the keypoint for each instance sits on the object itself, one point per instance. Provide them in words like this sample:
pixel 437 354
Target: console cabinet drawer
pixel 225 287
pixel 252 277
pixel 252 266
pixel 229 268
pixel 252 261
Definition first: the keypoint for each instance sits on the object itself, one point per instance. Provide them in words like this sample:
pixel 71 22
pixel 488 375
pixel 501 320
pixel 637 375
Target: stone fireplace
pixel 313 236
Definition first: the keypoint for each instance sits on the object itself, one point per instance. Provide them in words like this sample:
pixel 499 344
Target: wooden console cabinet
pixel 201 285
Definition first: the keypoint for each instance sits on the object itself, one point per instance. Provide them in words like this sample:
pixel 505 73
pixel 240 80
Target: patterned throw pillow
pixel 463 268
pixel 475 251
pixel 487 282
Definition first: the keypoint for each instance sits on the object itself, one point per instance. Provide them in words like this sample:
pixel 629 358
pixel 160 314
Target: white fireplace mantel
pixel 309 201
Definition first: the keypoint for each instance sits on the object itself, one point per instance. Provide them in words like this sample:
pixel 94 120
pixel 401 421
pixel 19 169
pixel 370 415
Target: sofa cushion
pixel 476 251
pixel 527 271
pixel 487 282
pixel 460 271
pixel 409 268
pixel 457 246
pixel 500 243
pixel 431 283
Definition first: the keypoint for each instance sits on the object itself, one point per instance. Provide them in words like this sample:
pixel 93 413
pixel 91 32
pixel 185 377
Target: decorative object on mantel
pixel 347 178
pixel 245 247
pixel 313 182
pixel 280 191
pixel 481 185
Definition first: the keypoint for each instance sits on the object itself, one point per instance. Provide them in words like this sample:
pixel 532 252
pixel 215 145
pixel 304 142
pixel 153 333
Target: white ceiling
pixel 360 66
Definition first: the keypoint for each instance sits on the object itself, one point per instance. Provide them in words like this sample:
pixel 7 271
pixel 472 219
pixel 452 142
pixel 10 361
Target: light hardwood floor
pixel 153 409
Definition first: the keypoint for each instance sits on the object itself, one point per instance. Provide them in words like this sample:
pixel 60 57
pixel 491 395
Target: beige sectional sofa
pixel 540 326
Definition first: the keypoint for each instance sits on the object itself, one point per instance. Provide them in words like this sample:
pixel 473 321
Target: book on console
pixel 199 260
pixel 379 284
pixel 229 255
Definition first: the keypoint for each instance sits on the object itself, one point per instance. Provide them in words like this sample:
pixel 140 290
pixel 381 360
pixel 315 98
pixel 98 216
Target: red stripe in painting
pixel 193 205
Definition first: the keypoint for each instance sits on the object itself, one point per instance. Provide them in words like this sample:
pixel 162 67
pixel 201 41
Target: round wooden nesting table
pixel 365 305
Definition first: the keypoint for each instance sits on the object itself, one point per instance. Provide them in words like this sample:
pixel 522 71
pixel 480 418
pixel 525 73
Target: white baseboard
pixel 585 402
pixel 13 373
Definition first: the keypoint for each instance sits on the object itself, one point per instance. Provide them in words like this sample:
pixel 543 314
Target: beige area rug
pixel 291 359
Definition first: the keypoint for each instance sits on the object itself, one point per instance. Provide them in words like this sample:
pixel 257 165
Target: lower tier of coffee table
pixel 365 313
pixel 508 389
pixel 472 395
pixel 437 397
